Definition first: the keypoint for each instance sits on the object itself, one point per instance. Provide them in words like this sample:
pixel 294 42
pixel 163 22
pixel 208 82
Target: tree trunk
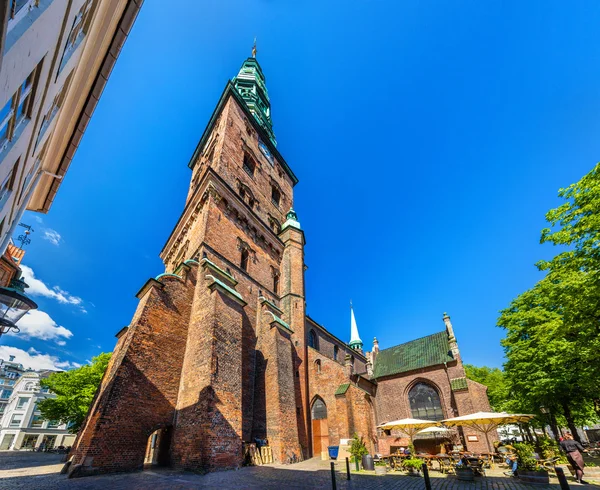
pixel 571 422
pixel 529 436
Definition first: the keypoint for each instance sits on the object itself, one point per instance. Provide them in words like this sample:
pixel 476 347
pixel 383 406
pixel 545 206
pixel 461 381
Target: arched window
pixel 319 410
pixel 318 366
pixel 335 352
pixel 312 339
pixel 425 402
pixel 29 387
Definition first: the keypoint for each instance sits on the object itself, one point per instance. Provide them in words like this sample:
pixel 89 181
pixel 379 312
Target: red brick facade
pixel 218 352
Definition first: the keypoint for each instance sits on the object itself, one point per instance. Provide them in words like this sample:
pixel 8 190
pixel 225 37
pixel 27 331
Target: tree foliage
pixel 74 392
pixel 494 379
pixel 552 342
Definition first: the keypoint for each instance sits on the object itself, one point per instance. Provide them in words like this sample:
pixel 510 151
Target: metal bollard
pixel 333 484
pixel 347 469
pixel 426 476
pixel 562 479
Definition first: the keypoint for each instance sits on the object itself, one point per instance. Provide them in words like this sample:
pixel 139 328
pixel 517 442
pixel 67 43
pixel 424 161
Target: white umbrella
pixel 486 422
pixel 409 426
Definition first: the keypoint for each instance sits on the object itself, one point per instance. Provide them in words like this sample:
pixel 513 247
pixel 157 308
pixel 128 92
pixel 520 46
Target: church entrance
pixel 320 429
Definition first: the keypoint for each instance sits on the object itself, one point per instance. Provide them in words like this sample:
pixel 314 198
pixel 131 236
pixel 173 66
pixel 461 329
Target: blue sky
pixel 429 138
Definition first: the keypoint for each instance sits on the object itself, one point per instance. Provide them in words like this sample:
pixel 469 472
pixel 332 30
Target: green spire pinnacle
pixel 250 83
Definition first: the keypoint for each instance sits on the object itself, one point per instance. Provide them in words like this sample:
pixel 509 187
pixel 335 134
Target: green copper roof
pixel 251 85
pixel 417 354
pixel 459 384
pixel 342 389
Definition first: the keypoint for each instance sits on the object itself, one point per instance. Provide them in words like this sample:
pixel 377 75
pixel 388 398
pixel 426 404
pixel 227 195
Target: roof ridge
pixel 414 340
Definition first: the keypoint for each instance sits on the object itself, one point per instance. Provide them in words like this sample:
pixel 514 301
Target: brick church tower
pixel 214 353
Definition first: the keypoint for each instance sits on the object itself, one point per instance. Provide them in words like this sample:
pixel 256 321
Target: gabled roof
pixel 416 354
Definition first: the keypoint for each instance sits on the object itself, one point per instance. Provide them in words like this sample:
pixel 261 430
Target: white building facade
pixel 55 59
pixel 22 425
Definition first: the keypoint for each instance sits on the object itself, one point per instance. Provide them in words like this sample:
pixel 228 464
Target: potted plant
pixel 413 466
pixel 527 468
pixel 358 449
pixel 464 473
pixel 380 468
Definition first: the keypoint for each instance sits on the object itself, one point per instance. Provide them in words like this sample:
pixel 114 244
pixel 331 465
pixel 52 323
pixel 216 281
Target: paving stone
pixel 40 471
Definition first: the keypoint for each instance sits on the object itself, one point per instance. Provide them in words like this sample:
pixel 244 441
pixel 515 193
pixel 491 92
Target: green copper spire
pixel 250 83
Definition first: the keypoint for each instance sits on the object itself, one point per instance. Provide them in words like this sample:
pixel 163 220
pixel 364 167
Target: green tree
pixel 494 379
pixel 552 342
pixel 74 392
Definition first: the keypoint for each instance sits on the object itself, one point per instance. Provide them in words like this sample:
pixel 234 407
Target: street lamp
pixel 13 305
pixel 544 410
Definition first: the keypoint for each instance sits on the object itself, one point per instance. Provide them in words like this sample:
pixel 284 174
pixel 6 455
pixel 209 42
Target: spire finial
pixel 355 342
pixel 254 48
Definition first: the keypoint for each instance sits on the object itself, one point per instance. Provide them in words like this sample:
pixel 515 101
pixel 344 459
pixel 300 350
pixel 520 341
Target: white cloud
pixel 38 324
pixel 34 359
pixel 39 288
pixel 38 218
pixel 61 342
pixel 52 236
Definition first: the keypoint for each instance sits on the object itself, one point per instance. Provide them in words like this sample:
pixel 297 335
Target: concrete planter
pixel 465 474
pixel 380 470
pixel 534 477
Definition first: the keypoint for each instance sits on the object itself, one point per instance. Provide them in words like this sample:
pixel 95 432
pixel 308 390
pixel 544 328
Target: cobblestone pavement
pixel 39 471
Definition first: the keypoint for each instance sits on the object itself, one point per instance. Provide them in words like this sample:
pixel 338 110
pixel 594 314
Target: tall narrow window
pixel 244 259
pixel 57 103
pixel 312 339
pixel 276 283
pixel 275 195
pixel 249 164
pixel 318 366
pixel 16 110
pixel 79 29
pixel 335 352
pixel 7 185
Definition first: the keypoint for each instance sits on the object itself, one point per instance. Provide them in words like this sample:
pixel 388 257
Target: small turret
pixel 451 338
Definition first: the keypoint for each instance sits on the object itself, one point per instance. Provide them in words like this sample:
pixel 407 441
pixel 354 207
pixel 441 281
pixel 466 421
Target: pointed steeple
pixel 355 342
pixel 251 84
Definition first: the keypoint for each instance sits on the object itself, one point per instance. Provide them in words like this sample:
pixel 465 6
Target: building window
pixel 5 393
pixel 275 195
pixel 53 424
pixel 57 103
pixel 18 10
pixel 79 29
pixel 16 420
pixel 318 366
pixel 7 185
pixel 244 259
pixel 16 111
pixel 22 403
pixel 336 350
pixel 276 283
pixel 319 410
pixel 36 421
pixel 312 339
pixel 249 165
pixel 29 387
pixel 425 402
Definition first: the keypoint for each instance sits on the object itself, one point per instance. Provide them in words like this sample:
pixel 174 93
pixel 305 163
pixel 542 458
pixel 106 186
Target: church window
pixel 319 410
pixel 275 195
pixel 425 402
pixel 249 165
pixel 312 339
pixel 244 259
pixel 318 366
pixel 336 350
pixel 276 283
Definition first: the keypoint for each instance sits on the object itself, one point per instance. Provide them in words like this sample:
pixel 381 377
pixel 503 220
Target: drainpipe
pixel 21 210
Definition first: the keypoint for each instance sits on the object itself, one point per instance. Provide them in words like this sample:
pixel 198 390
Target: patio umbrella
pixel 486 422
pixel 409 426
